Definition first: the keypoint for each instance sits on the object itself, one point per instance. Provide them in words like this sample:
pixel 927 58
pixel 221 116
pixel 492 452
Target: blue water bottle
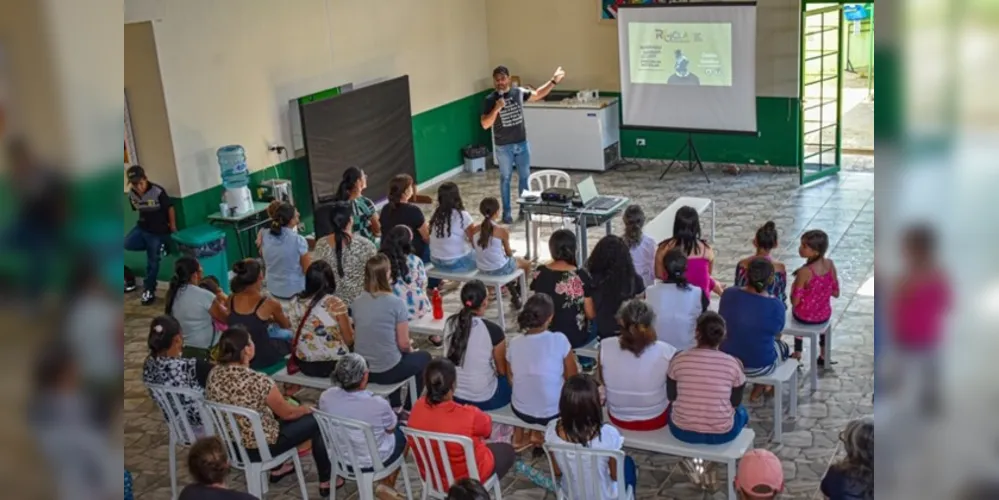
pixel 232 167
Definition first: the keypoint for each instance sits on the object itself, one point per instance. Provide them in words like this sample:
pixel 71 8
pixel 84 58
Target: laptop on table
pixel 591 199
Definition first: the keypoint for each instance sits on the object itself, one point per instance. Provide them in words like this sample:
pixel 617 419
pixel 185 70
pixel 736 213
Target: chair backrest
pixel 544 179
pixel 580 468
pixel 177 405
pixel 225 420
pixel 430 451
pixel 342 436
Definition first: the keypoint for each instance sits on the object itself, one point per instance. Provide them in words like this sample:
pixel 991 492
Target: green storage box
pixel 207 244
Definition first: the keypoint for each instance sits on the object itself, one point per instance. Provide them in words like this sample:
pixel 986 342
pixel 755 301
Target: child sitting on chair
pixel 450 246
pixel 493 255
pixel 815 284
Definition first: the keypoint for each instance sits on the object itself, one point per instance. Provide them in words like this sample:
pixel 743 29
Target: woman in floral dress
pixel 568 286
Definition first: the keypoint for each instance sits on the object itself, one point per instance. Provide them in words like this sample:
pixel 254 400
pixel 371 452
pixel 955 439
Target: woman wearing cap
pixel 349 398
pixel 760 476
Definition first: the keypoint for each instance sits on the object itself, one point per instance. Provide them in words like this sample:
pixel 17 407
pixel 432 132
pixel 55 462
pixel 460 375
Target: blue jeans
pixel 464 264
pixel 739 421
pixel 431 282
pixel 508 155
pixel 630 474
pixel 139 239
pixel 500 398
pixel 508 268
pixel 276 332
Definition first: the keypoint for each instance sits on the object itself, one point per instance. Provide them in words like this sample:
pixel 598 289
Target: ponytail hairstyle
pixel 636 319
pixel 766 236
pixel 634 221
pixel 340 219
pixel 537 312
pixel 687 231
pixel 816 240
pixel 319 282
pixel 185 269
pixel 207 461
pixel 489 207
pixel 350 178
pixel 675 264
pixel 232 343
pixel 710 330
pixel 448 201
pixel 562 246
pixel 397 245
pixel 580 414
pixel 376 274
pixel 248 273
pixel 283 216
pixel 439 378
pixel 459 326
pixel 272 208
pixel 760 273
pixel 162 332
pixel 397 188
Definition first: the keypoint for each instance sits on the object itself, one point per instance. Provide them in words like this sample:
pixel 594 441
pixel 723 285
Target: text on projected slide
pixel 681 53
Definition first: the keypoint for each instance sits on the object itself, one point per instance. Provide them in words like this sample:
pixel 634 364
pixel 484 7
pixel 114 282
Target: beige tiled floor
pixel 843 206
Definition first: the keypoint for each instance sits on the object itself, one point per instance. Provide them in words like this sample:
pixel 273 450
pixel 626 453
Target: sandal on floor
pixel 384 492
pixel 324 491
pixel 275 478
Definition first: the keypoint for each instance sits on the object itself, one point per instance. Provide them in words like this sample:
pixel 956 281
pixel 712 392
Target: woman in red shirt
pixel 436 411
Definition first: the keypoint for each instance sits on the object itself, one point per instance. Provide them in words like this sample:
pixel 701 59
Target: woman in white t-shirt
pixel 635 403
pixel 450 247
pixel 493 255
pixel 582 423
pixel 540 361
pixel 676 303
pixel 477 347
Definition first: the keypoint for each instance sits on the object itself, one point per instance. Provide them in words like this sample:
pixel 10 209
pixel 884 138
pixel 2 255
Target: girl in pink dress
pixel 700 255
pixel 815 284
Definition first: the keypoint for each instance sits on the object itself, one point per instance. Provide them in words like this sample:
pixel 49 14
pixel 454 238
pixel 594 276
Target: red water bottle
pixel 437 303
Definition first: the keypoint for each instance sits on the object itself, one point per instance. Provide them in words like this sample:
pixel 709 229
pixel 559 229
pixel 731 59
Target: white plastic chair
pixel 539 181
pixel 428 446
pixel 344 456
pixel 586 461
pixel 224 419
pixel 175 403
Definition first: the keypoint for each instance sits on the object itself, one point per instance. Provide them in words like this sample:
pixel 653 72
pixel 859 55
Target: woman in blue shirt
pixel 286 254
pixel 755 320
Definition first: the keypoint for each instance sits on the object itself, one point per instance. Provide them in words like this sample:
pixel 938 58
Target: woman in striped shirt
pixel 704 386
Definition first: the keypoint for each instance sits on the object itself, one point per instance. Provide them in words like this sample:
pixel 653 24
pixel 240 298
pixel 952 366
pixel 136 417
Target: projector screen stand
pixel 693 158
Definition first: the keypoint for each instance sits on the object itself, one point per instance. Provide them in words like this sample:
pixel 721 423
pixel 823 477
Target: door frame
pixel 804 176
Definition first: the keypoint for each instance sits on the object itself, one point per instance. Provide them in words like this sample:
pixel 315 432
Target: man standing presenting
pixel 503 111
pixel 157 220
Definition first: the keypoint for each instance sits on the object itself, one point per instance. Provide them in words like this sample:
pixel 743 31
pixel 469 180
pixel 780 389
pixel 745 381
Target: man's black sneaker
pixel 130 287
pixel 148 297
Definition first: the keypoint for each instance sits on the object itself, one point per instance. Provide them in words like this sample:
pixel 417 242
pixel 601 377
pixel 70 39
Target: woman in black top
pixel 567 286
pixel 250 308
pixel 614 282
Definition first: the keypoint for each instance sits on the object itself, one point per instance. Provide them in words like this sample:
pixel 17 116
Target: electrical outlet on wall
pixel 640 141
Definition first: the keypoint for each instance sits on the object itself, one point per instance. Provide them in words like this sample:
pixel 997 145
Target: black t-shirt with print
pixel 409 215
pixel 607 306
pixel 509 125
pixel 567 290
pixel 153 207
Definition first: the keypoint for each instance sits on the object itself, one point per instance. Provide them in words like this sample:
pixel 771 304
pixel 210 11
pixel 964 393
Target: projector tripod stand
pixel 693 158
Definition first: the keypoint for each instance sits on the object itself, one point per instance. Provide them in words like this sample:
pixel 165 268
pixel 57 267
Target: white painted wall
pixel 229 67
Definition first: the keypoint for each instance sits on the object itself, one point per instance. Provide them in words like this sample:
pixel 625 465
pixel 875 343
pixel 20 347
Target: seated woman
pixel 614 282
pixel 345 253
pixel 323 332
pixel 285 254
pixel 704 386
pixel 349 399
pixel 582 422
pixel 540 360
pixel 285 426
pixel 642 246
pixel 567 286
pixel 450 247
pixel 636 403
pixel 209 466
pixel 765 243
pixel 194 307
pixel 251 309
pixel 165 366
pixel 409 277
pixel 676 303
pixel 477 347
pixel 437 411
pixel 700 255
pixel 401 210
pixel 364 220
pixel 493 255
pixel 382 322
pixel 754 320
pixel 852 477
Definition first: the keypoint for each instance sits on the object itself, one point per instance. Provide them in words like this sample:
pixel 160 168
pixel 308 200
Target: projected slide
pixel 681 53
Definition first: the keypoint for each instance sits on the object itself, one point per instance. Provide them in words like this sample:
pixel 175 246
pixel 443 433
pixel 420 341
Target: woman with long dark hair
pixel 365 221
pixel 401 209
pixel 409 277
pixel 567 285
pixel 193 307
pixel 254 311
pixel 477 347
pixel 700 255
pixel 437 411
pixel 285 253
pixel 450 232
pixel 675 302
pixel 614 282
pixel 345 254
pixel 323 332
pixel 765 242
